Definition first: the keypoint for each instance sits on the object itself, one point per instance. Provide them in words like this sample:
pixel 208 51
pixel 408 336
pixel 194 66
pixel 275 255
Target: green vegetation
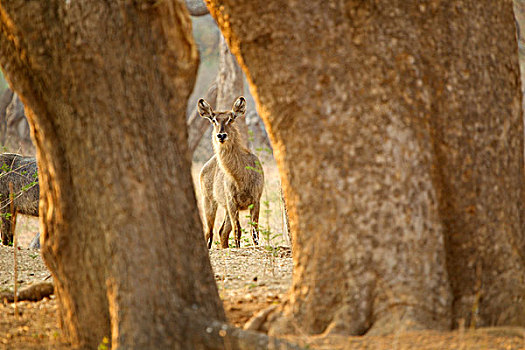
pixel 3 83
pixel 104 345
pixel 272 227
pixel 271 237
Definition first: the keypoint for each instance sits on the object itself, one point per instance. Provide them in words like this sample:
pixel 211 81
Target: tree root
pixel 273 321
pixel 256 322
pixel 200 329
pixel 34 292
pixel 219 335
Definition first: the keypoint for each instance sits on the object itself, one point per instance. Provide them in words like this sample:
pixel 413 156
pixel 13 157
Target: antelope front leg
pixel 233 212
pixel 254 217
pixel 210 209
pixel 224 231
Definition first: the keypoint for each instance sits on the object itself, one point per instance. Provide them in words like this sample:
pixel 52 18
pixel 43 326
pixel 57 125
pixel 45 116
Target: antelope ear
pixel 205 109
pixel 239 107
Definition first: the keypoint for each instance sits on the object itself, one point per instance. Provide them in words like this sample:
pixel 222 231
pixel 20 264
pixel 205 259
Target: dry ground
pixel 248 279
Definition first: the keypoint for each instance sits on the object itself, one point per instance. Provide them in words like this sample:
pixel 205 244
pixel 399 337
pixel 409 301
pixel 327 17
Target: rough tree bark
pixel 398 132
pixel 105 85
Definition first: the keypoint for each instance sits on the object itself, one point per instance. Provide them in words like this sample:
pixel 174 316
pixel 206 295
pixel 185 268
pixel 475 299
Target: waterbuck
pixel 232 178
pixel 22 173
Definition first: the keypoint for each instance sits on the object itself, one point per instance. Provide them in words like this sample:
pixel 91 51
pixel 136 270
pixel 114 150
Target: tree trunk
pixel 106 85
pixel 18 137
pixel 230 85
pixel 197 8
pixel 197 125
pixel 398 133
pixel 227 87
pixel 5 100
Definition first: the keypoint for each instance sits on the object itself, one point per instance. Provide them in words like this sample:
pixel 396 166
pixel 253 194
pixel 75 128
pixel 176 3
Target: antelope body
pixel 22 172
pixel 232 178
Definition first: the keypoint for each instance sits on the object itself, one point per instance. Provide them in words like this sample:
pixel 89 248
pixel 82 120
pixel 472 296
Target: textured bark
pixel 477 126
pixel 398 133
pixel 105 86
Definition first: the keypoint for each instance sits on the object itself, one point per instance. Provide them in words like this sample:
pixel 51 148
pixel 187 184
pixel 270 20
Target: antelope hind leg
pixel 224 231
pixel 233 213
pixel 254 223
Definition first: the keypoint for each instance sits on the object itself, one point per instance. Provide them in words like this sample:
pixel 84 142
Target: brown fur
pixel 232 178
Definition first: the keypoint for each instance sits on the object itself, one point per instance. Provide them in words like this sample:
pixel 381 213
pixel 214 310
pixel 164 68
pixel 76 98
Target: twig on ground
pixel 13 231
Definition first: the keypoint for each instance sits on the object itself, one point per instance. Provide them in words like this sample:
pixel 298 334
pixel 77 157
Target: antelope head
pixel 223 122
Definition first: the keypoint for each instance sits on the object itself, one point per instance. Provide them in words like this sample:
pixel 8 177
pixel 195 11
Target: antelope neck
pixel 231 160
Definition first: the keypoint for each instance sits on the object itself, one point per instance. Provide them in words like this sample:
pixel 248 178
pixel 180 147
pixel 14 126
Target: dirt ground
pixel 248 279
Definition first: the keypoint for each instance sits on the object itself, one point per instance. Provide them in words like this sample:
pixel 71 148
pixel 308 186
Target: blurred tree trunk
pixel 14 128
pixel 18 138
pixel 5 100
pixel 398 132
pixel 105 85
pixel 197 125
pixel 196 8
pixel 230 84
